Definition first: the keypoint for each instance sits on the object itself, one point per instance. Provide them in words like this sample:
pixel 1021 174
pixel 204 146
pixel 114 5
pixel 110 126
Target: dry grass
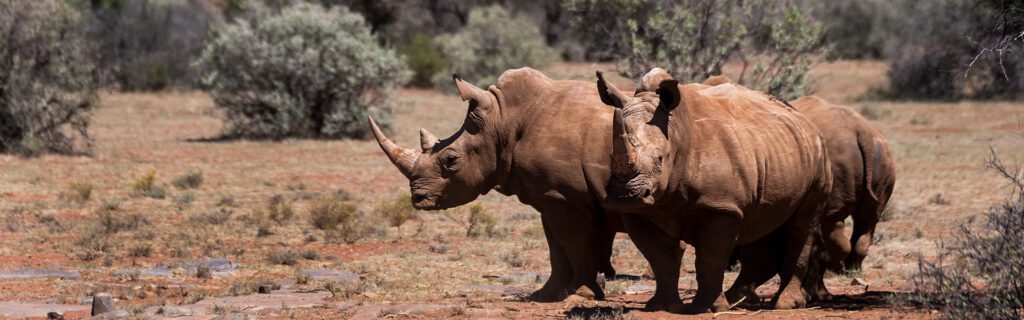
pixel 256 199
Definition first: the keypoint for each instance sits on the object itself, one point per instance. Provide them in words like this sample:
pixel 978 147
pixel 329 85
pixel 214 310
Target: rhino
pixel 863 173
pixel 863 176
pixel 546 142
pixel 716 167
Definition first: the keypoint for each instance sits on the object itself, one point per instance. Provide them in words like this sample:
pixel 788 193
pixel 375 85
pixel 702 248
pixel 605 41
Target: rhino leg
pixel 836 241
pixel 714 243
pixel 605 255
pixel 665 256
pixel 863 232
pixel 761 260
pixel 555 289
pixel 798 245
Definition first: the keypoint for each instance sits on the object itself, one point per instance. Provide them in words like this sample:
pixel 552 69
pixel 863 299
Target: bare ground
pixel 428 267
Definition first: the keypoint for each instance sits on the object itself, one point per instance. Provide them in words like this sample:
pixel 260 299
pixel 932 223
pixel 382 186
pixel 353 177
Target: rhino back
pixel 562 147
pixel 748 153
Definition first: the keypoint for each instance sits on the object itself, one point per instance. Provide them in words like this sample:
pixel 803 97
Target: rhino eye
pixel 450 162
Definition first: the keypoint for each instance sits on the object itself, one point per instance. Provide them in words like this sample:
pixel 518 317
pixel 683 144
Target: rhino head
pixel 454 171
pixel 640 142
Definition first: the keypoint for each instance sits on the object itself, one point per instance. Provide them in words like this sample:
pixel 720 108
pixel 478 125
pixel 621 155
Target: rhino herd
pixel 728 170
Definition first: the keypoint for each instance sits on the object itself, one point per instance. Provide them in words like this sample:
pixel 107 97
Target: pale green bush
pixel 48 81
pixel 492 41
pixel 305 72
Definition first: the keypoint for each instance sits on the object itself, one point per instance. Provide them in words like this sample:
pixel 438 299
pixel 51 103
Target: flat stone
pixel 274 300
pixel 114 315
pixel 529 277
pixel 40 273
pixel 494 289
pixel 157 272
pixel 378 311
pixel 218 266
pixel 338 276
pixel 15 309
pixel 102 303
pixel 639 288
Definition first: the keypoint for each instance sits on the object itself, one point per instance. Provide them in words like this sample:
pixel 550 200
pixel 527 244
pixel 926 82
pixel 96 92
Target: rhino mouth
pixel 630 193
pixel 424 200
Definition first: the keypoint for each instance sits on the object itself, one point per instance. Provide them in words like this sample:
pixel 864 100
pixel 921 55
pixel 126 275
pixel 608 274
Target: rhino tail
pixel 868 151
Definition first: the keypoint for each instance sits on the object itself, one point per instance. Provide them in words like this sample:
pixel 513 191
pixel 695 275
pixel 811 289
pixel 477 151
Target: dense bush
pixel 492 41
pixel 48 80
pixel 854 29
pixel 693 39
pixel 952 49
pixel 306 72
pixel 986 277
pixel 424 58
pixel 148 44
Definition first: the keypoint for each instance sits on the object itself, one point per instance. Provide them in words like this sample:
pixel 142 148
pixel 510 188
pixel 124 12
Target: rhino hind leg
pixel 798 245
pixel 864 223
pixel 760 261
pixel 664 255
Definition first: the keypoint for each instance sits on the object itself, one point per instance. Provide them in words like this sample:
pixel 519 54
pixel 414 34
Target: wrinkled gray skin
pixel 544 141
pixel 716 167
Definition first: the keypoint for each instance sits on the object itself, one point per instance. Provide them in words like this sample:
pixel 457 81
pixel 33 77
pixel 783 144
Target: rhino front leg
pixel 556 288
pixel 664 255
pixel 605 255
pixel 761 261
pixel 715 240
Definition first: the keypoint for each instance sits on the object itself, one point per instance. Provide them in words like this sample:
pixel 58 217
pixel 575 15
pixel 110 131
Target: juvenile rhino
pixel 716 167
pixel 545 141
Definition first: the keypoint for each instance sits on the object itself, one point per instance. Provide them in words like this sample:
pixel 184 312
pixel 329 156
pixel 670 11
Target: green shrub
pixel 480 222
pixel 80 191
pixel 396 211
pixel 693 39
pixel 492 42
pixel 286 257
pixel 306 72
pixel 49 81
pixel 343 221
pixel 279 209
pixel 189 180
pixel 424 58
pixel 146 186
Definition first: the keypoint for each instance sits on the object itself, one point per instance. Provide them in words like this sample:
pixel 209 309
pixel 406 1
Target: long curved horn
pixel 623 155
pixel 427 140
pixel 403 158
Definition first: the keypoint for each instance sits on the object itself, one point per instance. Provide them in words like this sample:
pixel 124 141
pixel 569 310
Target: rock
pixel 217 266
pixel 102 303
pixel 585 292
pixel 575 298
pixel 115 315
pixel 233 316
pixel 15 309
pixel 175 312
pixel 264 289
pixel 54 315
pixel 338 276
pixel 859 282
pixel 639 288
pixel 157 272
pixel 40 273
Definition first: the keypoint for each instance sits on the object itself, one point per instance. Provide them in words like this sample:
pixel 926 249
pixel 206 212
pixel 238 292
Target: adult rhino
pixel 545 141
pixel 716 167
pixel 863 176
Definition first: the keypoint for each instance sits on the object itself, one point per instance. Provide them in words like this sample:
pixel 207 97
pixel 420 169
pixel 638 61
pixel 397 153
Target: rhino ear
pixel 466 90
pixel 610 95
pixel 668 92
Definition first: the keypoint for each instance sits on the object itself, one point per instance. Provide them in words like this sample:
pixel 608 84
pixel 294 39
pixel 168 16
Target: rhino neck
pixel 505 141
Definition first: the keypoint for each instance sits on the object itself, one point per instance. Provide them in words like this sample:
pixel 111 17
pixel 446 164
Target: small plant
pixel 189 180
pixel 938 199
pixel 310 254
pixel 143 250
pixel 251 285
pixel 344 221
pixel 514 259
pixel 185 199
pixel 396 211
pixel 146 186
pixel 480 222
pixel 279 209
pixel 216 217
pixel 286 257
pixel 226 201
pixel 871 112
pixel 921 121
pixel 114 221
pixel 80 191
pixel 203 271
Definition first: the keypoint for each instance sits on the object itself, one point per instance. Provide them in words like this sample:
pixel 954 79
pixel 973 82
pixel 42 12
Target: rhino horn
pixel 623 154
pixel 427 140
pixel 466 90
pixel 403 158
